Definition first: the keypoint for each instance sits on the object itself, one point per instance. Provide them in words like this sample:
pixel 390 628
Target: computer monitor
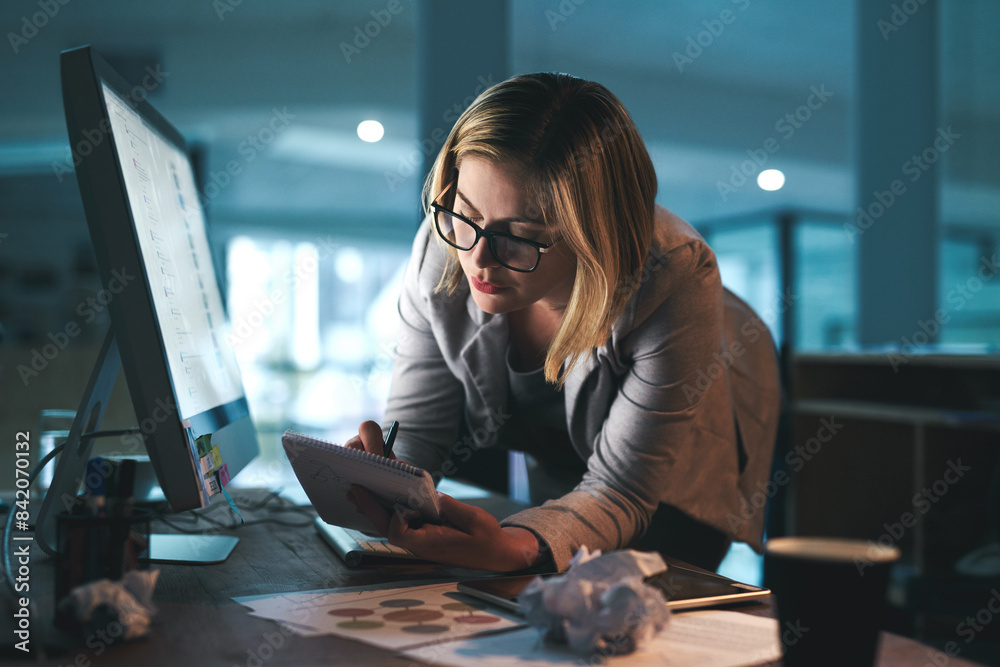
pixel 168 322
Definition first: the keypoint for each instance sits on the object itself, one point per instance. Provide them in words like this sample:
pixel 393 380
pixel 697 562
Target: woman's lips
pixel 487 288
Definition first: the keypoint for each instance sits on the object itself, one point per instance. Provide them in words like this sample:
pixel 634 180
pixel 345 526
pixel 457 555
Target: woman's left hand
pixel 470 537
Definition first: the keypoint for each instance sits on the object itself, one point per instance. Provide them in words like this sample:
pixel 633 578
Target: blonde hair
pixel 573 144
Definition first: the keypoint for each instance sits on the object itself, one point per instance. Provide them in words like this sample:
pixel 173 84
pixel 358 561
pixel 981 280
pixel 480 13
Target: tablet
pixel 684 586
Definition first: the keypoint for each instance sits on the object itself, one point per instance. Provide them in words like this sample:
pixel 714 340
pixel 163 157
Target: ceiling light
pixel 370 130
pixel 770 179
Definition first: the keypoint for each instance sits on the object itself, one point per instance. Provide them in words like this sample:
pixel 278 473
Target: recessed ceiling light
pixel 370 130
pixel 770 179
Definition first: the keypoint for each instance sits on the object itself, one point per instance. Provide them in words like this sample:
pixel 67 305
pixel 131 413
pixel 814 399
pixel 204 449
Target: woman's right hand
pixel 368 439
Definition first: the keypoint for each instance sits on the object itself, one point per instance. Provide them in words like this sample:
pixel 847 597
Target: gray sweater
pixel 679 406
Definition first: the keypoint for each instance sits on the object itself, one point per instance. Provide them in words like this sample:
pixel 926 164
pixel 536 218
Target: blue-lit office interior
pixel 839 158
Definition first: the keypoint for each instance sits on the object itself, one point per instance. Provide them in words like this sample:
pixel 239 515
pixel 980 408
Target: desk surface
pixel 199 625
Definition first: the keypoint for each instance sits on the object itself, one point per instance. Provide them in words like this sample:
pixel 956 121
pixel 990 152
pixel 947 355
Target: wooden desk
pixel 199 625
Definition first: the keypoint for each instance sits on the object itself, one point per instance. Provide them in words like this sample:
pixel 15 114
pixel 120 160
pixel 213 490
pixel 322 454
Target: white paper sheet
pixel 704 638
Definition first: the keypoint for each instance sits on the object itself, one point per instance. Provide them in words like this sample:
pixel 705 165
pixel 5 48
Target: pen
pixel 390 438
pixel 94 483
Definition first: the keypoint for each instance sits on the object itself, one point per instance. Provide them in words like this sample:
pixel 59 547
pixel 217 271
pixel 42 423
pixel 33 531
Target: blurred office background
pixel 311 224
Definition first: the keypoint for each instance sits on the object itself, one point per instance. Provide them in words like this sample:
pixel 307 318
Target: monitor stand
pixel 190 549
pixel 72 464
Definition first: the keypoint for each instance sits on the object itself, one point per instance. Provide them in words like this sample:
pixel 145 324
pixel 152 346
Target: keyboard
pixel 354 546
pixel 376 544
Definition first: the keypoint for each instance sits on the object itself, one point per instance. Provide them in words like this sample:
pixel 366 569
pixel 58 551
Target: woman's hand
pixel 368 439
pixel 471 537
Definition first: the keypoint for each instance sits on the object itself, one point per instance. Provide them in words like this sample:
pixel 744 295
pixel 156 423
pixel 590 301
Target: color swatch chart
pixel 395 618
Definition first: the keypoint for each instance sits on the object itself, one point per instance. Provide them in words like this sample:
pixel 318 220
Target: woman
pixel 551 306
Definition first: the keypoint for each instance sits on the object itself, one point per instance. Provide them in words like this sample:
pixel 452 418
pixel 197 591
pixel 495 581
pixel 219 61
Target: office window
pixel 748 263
pixel 969 299
pixel 968 280
pixel 826 286
pixel 824 295
pixel 314 323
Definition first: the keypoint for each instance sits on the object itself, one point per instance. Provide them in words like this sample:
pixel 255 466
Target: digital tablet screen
pixel 683 588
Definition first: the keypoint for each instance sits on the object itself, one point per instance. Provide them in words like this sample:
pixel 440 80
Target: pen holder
pixel 92 548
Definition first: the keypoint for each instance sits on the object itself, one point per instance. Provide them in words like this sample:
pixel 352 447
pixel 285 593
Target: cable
pixel 7 564
pixel 111 434
pixel 233 526
pixel 285 506
pixel 8 571
pixel 204 515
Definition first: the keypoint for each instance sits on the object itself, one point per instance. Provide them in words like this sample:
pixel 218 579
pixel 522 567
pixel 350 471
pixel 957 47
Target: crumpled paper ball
pixel 128 601
pixel 600 604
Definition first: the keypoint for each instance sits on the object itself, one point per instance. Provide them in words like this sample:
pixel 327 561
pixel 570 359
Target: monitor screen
pixel 168 321
pixel 170 230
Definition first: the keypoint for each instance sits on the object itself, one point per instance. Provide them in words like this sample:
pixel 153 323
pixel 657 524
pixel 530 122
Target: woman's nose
pixel 481 255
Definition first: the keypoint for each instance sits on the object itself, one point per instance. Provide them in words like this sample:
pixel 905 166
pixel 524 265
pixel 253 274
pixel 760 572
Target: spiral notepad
pixel 326 471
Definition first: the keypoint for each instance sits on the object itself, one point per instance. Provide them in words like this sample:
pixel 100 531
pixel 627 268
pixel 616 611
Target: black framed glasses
pixel 514 252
